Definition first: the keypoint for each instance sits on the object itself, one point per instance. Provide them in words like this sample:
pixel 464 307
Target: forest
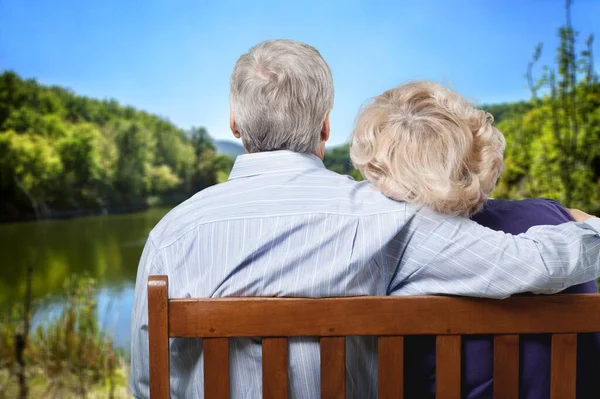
pixel 61 153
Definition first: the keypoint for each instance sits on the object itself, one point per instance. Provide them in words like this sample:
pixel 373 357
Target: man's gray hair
pixel 281 92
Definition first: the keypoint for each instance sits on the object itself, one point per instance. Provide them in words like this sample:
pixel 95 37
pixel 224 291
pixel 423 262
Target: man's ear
pixel 325 129
pixel 232 125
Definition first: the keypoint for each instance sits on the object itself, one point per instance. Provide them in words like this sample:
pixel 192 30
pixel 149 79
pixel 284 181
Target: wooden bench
pixel 388 318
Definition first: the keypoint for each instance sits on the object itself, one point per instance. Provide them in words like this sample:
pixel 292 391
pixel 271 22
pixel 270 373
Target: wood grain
pixel 447 366
pixel 158 336
pixel 391 367
pixel 275 368
pixel 216 368
pixel 506 366
pixel 288 317
pixel 563 366
pixel 333 368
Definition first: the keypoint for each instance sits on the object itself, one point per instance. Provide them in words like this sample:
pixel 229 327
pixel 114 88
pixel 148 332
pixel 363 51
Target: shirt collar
pixel 262 163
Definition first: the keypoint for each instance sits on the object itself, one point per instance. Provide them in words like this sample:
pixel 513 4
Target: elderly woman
pixel 425 144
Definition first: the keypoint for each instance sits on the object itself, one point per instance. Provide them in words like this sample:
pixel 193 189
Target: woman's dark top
pixel 513 217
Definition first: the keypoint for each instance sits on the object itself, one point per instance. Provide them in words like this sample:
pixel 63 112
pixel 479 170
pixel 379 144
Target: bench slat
pixel 216 368
pixel 448 348
pixel 333 368
pixel 247 317
pixel 391 367
pixel 158 336
pixel 563 366
pixel 506 366
pixel 275 368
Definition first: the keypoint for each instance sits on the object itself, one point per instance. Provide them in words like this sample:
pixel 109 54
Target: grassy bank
pixel 69 356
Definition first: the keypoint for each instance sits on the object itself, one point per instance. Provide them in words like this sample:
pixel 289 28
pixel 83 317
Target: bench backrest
pixel 388 318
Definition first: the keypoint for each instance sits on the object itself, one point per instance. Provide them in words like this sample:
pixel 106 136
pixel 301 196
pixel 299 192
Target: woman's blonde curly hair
pixel 425 144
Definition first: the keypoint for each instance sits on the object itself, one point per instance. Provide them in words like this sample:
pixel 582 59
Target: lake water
pixel 107 248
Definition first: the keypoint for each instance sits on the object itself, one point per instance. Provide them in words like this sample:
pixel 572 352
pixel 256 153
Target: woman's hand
pixel 579 216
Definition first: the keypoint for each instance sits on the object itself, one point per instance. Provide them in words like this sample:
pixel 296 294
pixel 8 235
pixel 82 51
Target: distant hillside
pixel 505 111
pixel 229 148
pixel 66 154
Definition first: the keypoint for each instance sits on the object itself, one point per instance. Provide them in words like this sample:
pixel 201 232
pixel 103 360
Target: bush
pixel 67 356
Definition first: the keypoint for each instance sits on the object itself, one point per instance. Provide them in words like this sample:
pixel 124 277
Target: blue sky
pixel 174 57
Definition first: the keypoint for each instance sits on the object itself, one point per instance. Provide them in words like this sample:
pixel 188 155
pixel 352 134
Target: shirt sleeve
pixel 456 256
pixel 140 371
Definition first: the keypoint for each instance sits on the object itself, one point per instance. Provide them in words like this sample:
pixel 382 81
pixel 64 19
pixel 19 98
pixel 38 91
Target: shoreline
pixel 153 202
pixel 74 214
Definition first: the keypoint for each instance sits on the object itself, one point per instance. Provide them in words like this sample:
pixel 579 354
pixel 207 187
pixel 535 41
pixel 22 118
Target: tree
pixel 201 141
pixel 101 154
pixel 13 95
pixel 204 151
pixel 133 165
pixel 338 159
pixel 222 165
pixel 80 153
pixel 555 149
pixel 162 179
pixel 28 162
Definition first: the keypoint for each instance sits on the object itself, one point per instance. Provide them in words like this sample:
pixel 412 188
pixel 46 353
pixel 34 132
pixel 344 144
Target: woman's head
pixel 423 143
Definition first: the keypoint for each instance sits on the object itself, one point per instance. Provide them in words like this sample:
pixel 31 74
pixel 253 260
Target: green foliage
pixel 552 146
pixel 70 152
pixel 338 160
pixel 135 159
pixel 204 174
pixel 162 179
pixel 222 165
pixel 356 175
pixel 80 153
pixel 30 162
pixel 505 111
pixel 69 355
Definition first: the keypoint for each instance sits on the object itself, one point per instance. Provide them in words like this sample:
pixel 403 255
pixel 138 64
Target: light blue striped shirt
pixel 283 225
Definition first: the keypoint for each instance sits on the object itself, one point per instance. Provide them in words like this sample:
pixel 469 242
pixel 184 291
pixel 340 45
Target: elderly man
pixel 283 225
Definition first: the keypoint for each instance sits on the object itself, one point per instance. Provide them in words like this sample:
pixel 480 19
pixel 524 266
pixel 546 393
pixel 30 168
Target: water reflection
pixel 107 248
